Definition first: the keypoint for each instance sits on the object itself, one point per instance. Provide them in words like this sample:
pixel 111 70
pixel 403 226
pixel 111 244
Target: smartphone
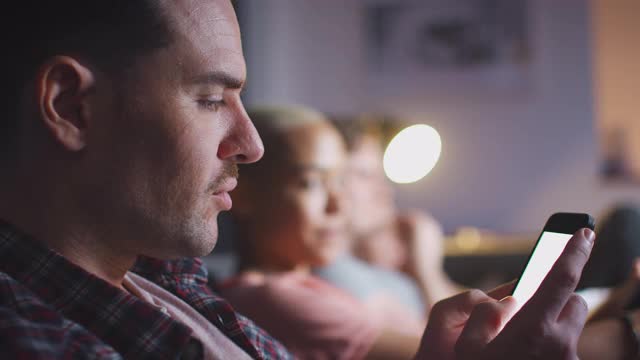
pixel 554 237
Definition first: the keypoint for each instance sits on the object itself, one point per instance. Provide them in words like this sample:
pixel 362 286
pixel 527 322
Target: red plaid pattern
pixel 53 309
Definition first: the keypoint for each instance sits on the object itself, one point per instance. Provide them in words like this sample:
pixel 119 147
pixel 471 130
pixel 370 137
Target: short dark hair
pixel 108 33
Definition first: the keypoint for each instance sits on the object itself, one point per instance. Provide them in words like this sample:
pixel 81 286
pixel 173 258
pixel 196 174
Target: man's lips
pixel 226 186
pixel 221 193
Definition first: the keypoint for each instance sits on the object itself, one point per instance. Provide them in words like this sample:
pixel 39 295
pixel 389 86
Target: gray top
pixel 363 281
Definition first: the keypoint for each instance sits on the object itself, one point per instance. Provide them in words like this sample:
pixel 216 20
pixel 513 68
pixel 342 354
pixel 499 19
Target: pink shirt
pixel 215 344
pixel 312 318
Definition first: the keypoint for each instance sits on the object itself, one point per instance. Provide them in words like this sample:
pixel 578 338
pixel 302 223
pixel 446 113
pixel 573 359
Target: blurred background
pixel 534 100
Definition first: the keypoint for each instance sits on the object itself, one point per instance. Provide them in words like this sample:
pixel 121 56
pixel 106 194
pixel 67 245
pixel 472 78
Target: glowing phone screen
pixel 547 251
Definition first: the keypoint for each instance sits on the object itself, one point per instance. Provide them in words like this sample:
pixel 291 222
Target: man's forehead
pixel 210 28
pixel 217 16
pixel 212 21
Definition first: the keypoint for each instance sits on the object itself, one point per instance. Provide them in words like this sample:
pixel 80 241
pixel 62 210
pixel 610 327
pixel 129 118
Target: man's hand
pixel 470 325
pixel 449 317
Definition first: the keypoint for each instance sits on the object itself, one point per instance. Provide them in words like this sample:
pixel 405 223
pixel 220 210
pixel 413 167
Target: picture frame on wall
pixel 435 46
pixel 620 152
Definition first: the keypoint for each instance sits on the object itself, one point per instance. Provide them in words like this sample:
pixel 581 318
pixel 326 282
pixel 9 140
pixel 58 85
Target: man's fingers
pixel 446 321
pixel 455 310
pixel 574 314
pixel 484 324
pixel 563 278
pixel 503 290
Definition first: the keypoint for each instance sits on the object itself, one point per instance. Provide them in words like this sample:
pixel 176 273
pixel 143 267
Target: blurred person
pixel 405 248
pixel 370 196
pixel 390 241
pixel 611 285
pixel 609 282
pixel 618 243
pixel 412 243
pixel 613 326
pixel 296 224
pixel 611 338
pixel 290 216
pixel 122 126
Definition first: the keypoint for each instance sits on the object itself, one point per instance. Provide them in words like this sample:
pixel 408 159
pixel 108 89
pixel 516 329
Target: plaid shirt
pixel 53 309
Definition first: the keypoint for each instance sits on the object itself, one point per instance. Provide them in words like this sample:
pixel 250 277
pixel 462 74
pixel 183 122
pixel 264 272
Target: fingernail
pixel 589 235
pixel 505 298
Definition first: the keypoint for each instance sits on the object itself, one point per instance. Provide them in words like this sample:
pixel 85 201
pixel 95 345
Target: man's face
pixel 170 133
pixel 369 192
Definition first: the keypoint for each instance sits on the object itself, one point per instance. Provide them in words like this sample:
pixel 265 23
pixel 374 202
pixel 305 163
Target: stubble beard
pixel 197 232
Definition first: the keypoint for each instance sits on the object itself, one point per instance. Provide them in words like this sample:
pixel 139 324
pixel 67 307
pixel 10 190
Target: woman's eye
pixel 310 183
pixel 212 105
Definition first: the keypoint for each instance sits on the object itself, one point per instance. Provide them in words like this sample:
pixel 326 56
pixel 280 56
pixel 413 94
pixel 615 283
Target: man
pixel 123 125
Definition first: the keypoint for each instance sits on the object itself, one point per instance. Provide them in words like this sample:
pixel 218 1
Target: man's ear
pixel 62 88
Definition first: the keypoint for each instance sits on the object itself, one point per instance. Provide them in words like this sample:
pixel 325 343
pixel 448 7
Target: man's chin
pixel 199 248
pixel 198 240
pixel 183 248
pixel 182 252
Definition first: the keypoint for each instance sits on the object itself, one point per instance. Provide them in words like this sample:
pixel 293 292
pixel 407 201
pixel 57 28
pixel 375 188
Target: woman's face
pixel 304 217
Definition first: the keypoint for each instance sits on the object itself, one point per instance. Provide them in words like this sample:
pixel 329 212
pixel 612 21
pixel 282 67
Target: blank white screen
pixel 548 250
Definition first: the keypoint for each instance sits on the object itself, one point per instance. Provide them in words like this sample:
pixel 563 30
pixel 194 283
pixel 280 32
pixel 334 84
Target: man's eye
pixel 211 105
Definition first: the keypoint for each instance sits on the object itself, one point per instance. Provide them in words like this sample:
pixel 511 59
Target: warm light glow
pixel 412 154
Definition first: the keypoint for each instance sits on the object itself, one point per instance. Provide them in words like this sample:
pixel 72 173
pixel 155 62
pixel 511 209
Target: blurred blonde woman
pixel 290 215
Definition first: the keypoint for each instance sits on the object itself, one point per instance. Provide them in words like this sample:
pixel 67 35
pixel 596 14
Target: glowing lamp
pixel 412 154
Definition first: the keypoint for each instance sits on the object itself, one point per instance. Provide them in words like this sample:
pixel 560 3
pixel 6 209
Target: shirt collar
pixel 131 326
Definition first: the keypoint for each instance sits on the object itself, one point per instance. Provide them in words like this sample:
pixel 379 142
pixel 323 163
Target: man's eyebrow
pixel 219 78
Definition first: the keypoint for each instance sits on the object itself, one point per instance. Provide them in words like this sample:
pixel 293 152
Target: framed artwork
pixel 620 151
pixel 430 45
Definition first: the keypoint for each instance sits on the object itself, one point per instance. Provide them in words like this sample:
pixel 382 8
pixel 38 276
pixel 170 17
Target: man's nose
pixel 243 143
